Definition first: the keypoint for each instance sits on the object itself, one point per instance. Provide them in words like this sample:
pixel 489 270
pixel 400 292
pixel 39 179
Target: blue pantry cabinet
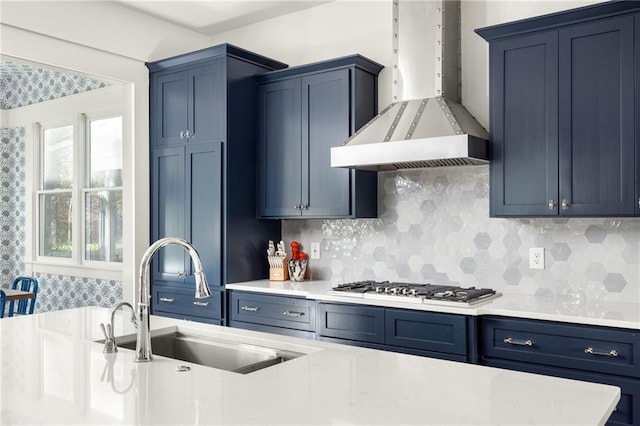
pixel 303 112
pixel 563 118
pixel 203 181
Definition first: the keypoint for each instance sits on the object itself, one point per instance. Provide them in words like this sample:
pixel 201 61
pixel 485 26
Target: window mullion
pixel 79 140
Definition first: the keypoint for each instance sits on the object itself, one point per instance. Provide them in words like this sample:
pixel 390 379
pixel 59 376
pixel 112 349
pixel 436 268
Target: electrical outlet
pixel 536 258
pixel 315 250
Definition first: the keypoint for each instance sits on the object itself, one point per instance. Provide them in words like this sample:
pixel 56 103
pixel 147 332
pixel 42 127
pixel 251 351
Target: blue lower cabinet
pixel 583 352
pixel 575 346
pixel 351 322
pixel 181 303
pixel 627 411
pixel 426 331
pixel 276 314
pixel 436 335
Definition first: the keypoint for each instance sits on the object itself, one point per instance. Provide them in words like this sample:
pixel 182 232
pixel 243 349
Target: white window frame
pixel 86 180
pixel 72 111
pixel 39 129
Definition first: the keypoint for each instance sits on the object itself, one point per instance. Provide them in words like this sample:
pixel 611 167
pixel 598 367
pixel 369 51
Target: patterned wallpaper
pixel 22 84
pixel 434 226
pixel 12 201
pixel 65 292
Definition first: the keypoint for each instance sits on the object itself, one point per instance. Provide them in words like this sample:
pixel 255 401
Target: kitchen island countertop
pixel 563 309
pixel 54 372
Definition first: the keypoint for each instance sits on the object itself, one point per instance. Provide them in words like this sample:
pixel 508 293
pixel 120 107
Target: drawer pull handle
pixel 250 308
pixel 167 299
pixel 592 351
pixel 203 304
pixel 293 314
pixel 518 342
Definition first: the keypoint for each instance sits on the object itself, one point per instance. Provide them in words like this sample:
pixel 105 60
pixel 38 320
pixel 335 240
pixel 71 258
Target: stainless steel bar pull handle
pixel 552 204
pixel 250 308
pixel 167 299
pixel 293 313
pixel 519 342
pixel 565 204
pixel 182 134
pixel 592 351
pixel 203 304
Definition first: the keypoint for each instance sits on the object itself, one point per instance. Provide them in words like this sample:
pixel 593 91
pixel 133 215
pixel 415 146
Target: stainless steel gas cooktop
pixel 415 293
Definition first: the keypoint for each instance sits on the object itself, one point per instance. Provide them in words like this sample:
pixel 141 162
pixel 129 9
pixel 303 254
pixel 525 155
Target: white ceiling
pixel 211 17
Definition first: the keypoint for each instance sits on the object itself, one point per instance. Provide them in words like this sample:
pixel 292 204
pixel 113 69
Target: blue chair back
pixel 25 306
pixel 3 302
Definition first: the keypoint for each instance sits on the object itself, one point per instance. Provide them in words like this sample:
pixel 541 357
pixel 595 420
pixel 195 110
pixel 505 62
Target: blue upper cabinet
pixel 189 105
pixel 203 125
pixel 562 106
pixel 303 112
pixel 524 125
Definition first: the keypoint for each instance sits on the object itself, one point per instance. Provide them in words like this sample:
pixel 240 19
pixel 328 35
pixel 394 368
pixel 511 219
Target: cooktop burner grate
pixel 415 293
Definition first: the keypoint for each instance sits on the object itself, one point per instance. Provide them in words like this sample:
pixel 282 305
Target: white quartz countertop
pixel 610 314
pixel 53 372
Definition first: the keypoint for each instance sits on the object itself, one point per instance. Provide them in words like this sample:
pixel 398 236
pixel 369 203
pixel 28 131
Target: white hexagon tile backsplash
pixel 434 226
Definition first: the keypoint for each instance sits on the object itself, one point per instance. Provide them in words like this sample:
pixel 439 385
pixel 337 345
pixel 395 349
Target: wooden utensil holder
pixel 281 272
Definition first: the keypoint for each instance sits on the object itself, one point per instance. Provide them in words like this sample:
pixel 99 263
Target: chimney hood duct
pixel 430 128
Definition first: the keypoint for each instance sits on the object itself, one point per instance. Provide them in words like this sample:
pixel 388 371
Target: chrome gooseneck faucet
pixel 143 343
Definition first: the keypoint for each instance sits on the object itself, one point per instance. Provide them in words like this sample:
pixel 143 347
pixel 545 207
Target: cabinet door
pixel 426 331
pixel 280 149
pixel 169 106
pixel 168 211
pixel 204 208
pixel 524 126
pixel 351 322
pixel 325 124
pixel 597 118
pixel 206 103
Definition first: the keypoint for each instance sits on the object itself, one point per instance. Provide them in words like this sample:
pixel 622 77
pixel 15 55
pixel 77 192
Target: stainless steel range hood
pixel 430 128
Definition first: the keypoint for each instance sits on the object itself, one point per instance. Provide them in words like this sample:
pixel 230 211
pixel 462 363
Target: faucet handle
pixel 109 340
pixel 104 331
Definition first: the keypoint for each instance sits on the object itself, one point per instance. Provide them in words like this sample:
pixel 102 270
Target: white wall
pixel 103 26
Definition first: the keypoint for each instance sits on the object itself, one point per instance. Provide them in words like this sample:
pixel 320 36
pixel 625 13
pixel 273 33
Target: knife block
pixel 279 272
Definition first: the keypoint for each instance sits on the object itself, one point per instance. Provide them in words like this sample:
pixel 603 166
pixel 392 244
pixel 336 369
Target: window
pixel 103 194
pixel 55 198
pixel 80 192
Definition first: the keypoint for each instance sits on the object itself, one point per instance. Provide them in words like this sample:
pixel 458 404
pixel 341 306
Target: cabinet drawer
pixel 591 348
pixel 183 302
pixel 361 323
pixel 275 311
pixel 426 331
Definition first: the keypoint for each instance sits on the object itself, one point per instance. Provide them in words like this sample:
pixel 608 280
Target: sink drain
pixel 183 368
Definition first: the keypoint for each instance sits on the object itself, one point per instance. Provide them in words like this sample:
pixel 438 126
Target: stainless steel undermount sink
pixel 216 353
